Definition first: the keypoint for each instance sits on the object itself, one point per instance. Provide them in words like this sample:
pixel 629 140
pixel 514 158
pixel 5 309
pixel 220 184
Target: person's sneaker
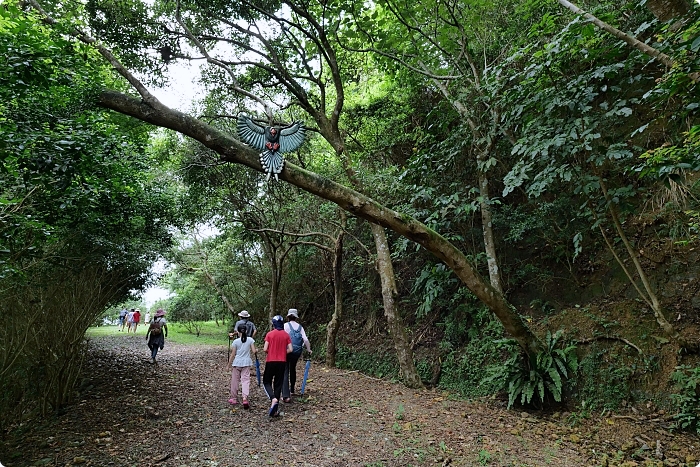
pixel 232 401
pixel 287 400
pixel 273 409
pixel 246 405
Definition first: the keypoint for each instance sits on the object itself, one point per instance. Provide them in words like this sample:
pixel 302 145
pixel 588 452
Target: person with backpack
pixel 122 318
pixel 241 351
pixel 299 341
pixel 277 346
pixel 251 330
pixel 156 334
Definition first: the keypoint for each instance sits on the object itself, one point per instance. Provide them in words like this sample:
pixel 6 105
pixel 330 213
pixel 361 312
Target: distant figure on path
pixel 122 318
pixel 250 327
pixel 147 319
pixel 130 319
pixel 299 340
pixel 156 334
pixel 277 345
pixel 137 319
pixel 241 351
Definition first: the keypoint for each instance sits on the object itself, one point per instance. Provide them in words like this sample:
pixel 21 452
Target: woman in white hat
pixel 299 340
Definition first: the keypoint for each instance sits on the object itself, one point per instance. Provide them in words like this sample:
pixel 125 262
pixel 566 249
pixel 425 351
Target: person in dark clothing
pixel 157 332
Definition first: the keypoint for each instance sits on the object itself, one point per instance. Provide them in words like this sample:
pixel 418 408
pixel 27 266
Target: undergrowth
pixel 687 400
pixel 464 366
pixel 535 380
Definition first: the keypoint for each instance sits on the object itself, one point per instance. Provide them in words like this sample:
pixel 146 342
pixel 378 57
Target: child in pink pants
pixel 242 350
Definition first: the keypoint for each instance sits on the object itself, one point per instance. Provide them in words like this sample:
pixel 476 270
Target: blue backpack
pixel 297 341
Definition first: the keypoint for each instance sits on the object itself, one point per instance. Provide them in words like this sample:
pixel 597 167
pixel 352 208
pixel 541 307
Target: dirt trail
pixel 175 414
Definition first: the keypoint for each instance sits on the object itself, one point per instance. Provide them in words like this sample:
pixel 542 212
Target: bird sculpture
pixel 273 141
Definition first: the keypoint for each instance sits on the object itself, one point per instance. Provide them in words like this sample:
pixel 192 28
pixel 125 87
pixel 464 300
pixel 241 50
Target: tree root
pixel 614 338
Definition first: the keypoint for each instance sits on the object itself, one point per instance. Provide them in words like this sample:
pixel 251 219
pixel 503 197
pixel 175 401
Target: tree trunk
pixel 404 354
pixel 221 293
pixel 485 199
pixel 487 226
pixel 665 10
pixel 274 289
pixel 649 295
pixel 232 150
pixel 334 323
pixel 385 268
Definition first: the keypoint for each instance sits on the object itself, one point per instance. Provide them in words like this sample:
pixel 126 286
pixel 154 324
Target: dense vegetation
pixel 482 174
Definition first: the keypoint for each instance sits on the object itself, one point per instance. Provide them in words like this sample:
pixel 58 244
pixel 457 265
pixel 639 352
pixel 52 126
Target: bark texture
pixel 334 323
pixel 396 328
pixel 489 241
pixel 232 150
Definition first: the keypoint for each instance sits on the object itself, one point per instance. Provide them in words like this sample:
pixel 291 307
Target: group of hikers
pixel 126 318
pixel 131 319
pixel 157 329
pixel 283 345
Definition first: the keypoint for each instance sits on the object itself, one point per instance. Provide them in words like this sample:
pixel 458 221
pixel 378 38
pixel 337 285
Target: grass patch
pixel 210 333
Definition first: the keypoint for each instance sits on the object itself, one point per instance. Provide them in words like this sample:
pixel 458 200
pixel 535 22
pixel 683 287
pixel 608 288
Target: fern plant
pixel 533 380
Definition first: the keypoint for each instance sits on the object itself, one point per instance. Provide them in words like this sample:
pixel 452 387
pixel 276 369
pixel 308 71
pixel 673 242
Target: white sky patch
pixel 153 294
pixel 183 87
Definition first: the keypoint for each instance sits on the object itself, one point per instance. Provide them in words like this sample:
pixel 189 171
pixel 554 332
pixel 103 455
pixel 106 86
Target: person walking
pixel 299 341
pixel 277 345
pixel 122 318
pixel 130 319
pixel 136 319
pixel 251 330
pixel 241 361
pixel 156 334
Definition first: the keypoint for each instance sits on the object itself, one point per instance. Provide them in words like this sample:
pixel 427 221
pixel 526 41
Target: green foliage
pixel 672 161
pixel 470 348
pixel 609 366
pixel 532 381
pixel 81 218
pixel 484 457
pixel 432 281
pixel 686 400
pixel 374 363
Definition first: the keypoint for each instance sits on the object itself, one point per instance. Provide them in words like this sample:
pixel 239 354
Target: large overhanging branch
pixel 232 150
pixel 150 110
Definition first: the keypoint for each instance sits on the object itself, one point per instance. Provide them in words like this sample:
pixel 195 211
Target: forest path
pixel 176 414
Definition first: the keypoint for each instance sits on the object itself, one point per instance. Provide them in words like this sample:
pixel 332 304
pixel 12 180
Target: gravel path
pixel 132 413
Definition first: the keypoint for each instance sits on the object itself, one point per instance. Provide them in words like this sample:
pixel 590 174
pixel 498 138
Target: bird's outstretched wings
pixel 250 132
pixel 291 137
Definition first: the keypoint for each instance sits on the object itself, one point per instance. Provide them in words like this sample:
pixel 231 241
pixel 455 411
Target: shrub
pixel 536 378
pixel 687 400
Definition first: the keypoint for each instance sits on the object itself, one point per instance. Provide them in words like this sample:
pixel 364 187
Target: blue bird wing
pixel 251 133
pixel 291 137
